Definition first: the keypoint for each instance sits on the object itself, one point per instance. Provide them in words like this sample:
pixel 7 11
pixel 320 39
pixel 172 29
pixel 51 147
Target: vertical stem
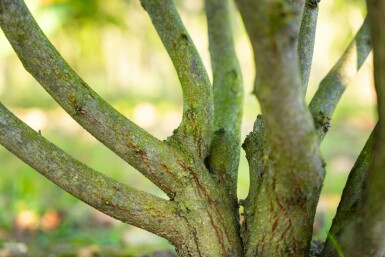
pixel 306 40
pixel 228 98
pixel 289 187
pixel 195 132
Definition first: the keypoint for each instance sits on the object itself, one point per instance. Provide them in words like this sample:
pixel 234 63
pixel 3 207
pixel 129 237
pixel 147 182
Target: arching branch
pixel 332 87
pixel 351 199
pixel 101 192
pixel 153 158
pixel 195 131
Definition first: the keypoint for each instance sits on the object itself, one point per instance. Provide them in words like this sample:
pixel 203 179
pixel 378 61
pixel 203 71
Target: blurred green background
pixel 114 47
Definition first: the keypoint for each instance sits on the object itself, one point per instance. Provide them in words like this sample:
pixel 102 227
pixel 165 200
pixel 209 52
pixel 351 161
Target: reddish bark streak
pixel 213 204
pixel 219 237
pixel 263 248
pixel 200 148
pixel 142 156
pixel 294 247
pixel 297 184
pixel 146 162
pixel 287 215
pixel 207 195
pixel 285 232
pixel 274 225
pixel 167 169
pixel 194 233
pixel 222 177
pixel 263 244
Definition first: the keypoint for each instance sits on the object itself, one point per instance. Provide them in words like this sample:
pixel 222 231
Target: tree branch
pixel 191 222
pixel 101 192
pixel 277 84
pixel 254 146
pixel 195 132
pixel 348 208
pixel 306 40
pixel 291 184
pixel 183 176
pixel 153 158
pixel 228 96
pixel 365 235
pixel 332 87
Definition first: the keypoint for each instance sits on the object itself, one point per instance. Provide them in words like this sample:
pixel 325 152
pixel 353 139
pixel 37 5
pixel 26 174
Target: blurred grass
pixel 121 57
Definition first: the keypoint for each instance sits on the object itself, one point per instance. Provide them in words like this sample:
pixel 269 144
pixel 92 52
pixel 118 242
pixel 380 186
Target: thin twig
pixel 306 40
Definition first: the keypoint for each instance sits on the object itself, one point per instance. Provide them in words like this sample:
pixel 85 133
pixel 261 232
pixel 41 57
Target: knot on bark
pixel 322 121
pixel 312 3
pixel 316 248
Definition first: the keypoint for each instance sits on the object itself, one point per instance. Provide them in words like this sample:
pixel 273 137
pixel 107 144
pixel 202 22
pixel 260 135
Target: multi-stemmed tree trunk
pixel 197 166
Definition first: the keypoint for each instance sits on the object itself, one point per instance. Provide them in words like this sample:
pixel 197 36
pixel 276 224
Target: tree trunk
pixel 197 166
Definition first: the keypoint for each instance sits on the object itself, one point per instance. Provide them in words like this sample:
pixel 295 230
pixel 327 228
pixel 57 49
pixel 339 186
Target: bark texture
pixel 289 186
pixel 194 133
pixel 228 98
pixel 306 40
pixel 197 166
pixel 364 234
pixel 351 199
pixel 154 158
pixel 105 194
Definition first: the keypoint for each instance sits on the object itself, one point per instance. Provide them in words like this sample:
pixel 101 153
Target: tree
pixel 197 166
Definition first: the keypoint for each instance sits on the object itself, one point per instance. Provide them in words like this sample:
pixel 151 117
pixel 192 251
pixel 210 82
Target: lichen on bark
pixel 197 166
